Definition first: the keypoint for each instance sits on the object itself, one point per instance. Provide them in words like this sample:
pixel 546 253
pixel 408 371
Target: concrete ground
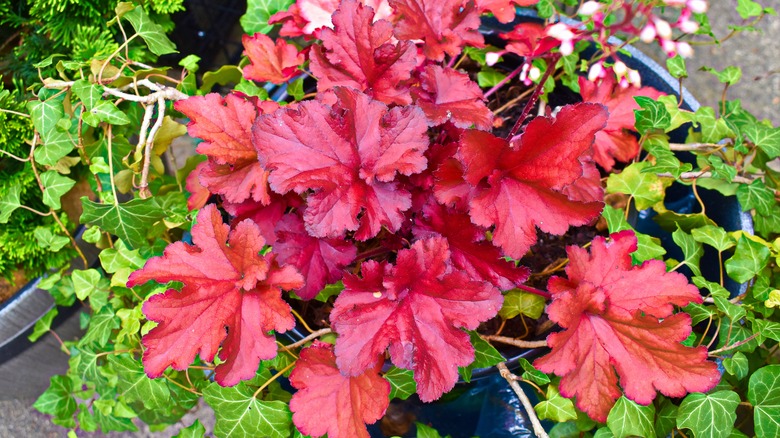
pixel 757 53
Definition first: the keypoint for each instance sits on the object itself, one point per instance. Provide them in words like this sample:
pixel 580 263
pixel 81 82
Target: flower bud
pixel 663 29
pixel 684 49
pixel 560 32
pixel 534 73
pixel 634 78
pixel 619 68
pixel 589 8
pixel 648 34
pixel 492 57
pixel 596 71
pixel 689 26
pixel 697 6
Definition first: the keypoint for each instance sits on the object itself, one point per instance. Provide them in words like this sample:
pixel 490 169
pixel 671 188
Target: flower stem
pixel 535 291
pixel 534 97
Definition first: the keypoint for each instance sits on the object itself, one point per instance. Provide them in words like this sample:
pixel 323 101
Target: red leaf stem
pixel 534 97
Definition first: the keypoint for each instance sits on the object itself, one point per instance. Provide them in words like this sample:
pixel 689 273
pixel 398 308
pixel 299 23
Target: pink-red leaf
pixel 615 142
pixel 318 13
pixel 618 319
pixel 522 185
pixel 225 125
pixel 264 216
pixel 504 10
pixel 321 261
pixel 231 297
pixel 447 95
pixel 445 26
pixel 416 309
pixel 471 253
pixel 199 195
pixel 329 402
pixel 358 53
pixel 529 40
pixel 269 62
pixel 353 151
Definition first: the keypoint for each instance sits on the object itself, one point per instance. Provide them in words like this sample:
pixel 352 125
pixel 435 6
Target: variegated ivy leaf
pixel 55 185
pixel 645 188
pixel 764 394
pixel 555 407
pixel 708 415
pixel 151 32
pixel 627 418
pixel 240 414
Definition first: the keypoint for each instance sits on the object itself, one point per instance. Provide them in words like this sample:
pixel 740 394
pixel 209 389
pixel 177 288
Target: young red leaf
pixel 504 10
pixel 264 216
pixel 199 195
pixel 615 142
pixel 329 402
pixel 353 151
pixel 522 185
pixel 471 253
pixel 319 260
pixel 447 95
pixel 293 24
pixel 619 316
pixel 231 296
pixel 318 13
pixel 445 26
pixel 359 53
pixel 529 40
pixel 416 309
pixel 225 126
pixel 269 62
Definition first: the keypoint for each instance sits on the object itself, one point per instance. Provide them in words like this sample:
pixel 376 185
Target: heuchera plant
pixel 381 205
pixel 390 181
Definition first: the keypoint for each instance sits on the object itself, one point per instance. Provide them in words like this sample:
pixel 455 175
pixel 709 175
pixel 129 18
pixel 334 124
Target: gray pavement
pixel 757 53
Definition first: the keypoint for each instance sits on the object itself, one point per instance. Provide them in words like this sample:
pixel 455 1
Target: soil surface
pixel 8 289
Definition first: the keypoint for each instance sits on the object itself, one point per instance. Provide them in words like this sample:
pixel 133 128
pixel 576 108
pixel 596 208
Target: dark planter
pixel 25 367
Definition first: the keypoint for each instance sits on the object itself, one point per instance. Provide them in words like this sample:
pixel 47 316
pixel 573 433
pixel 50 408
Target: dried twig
pixel 516 342
pixel 144 185
pixel 512 380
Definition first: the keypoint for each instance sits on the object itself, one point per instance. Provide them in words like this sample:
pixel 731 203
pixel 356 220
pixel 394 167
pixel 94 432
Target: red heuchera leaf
pixel 470 252
pixel 504 10
pixel 360 55
pixel 353 150
pixel 227 285
pixel 319 260
pixel 293 24
pixel 199 195
pixel 416 308
pixel 526 179
pixel 318 13
pixel 620 316
pixel 587 188
pixel 445 26
pixel 270 62
pixel 615 142
pixel 225 126
pixel 449 95
pixel 529 40
pixel 329 402
pixel 264 216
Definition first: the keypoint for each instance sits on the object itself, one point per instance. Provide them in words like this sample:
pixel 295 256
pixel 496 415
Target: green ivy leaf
pixel 90 94
pixel 764 394
pixel 402 383
pixel 129 221
pixel 86 282
pixel 532 374
pixel 627 418
pixel 489 77
pixel 100 327
pixel 678 116
pixel 56 145
pixel 55 185
pixel 136 386
pixel 85 365
pixel 698 312
pixel 45 114
pixel 485 355
pixel 424 431
pixel 766 138
pixel 665 159
pixel 713 236
pixel 676 67
pixel 194 430
pixel 151 32
pixel 545 8
pixel 47 239
pixel 518 302
pixel 648 248
pixel 251 89
pixel 114 423
pixel 555 408
pixel 652 115
pixel 692 250
pixel 767 329
pixel 736 365
pixel 748 8
pixel 666 418
pixel 57 399
pixel 295 89
pixel 756 196
pixel 713 129
pixel 729 75
pixel 258 12
pixel 709 415
pixel 749 258
pixel 715 288
pixel 119 257
pixel 646 189
pixel 9 202
pixel 109 113
pixel 733 311
pixel 240 414
pixel 43 325
pixel 87 421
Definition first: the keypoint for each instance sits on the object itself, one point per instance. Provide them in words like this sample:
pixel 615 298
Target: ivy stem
pixel 274 377
pixel 35 211
pixel 300 318
pixel 534 97
pixel 23 160
pixel 59 339
pixel 734 345
pixel 535 291
pixel 64 229
pixel 312 336
pixel 182 386
pixel 516 342
pixel 504 81
pixel 529 408
pixel 695 146
pixel 16 113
